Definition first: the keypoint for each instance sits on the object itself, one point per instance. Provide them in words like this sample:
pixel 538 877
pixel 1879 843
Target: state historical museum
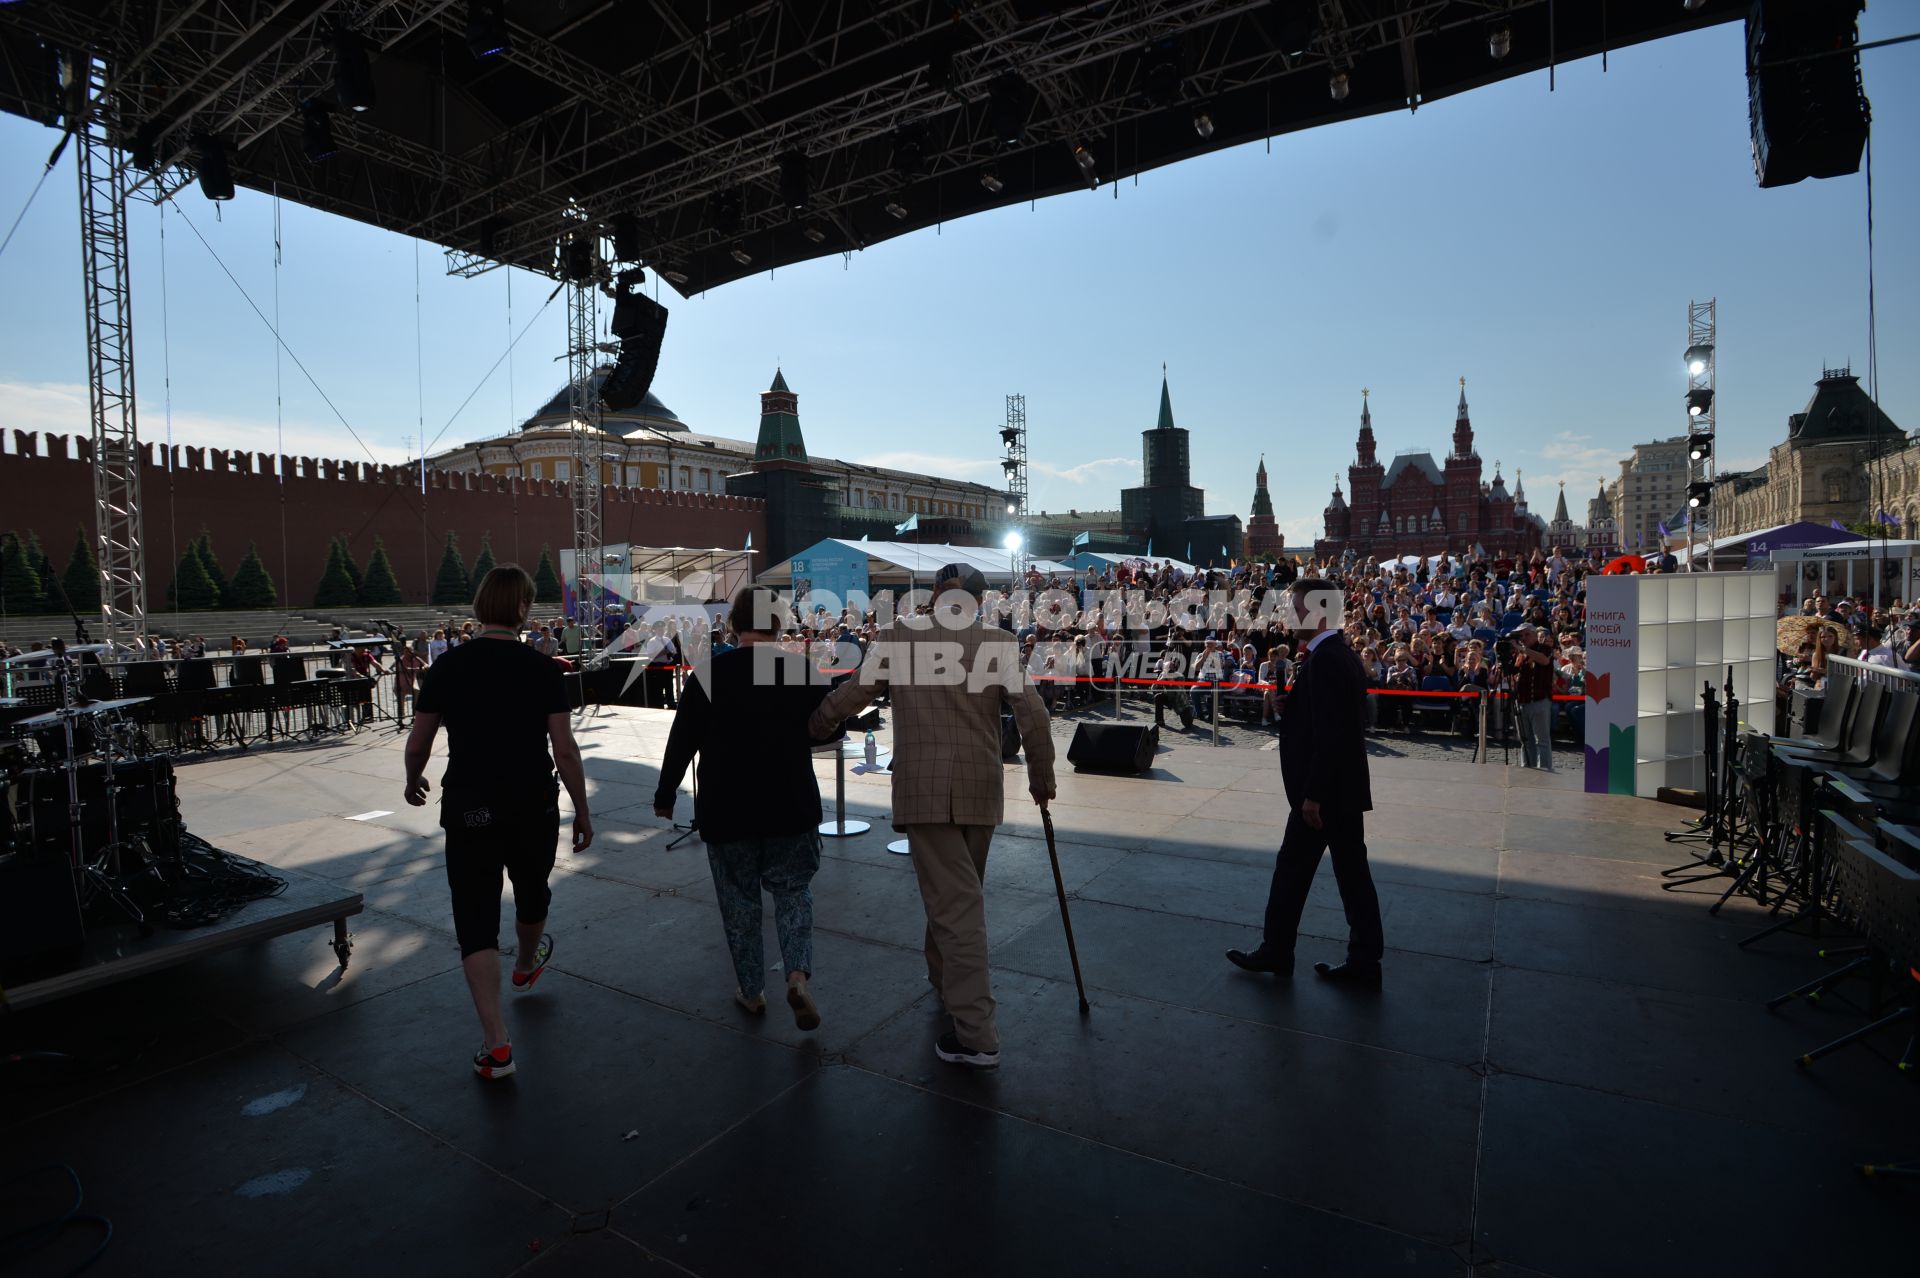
pixel 1417 506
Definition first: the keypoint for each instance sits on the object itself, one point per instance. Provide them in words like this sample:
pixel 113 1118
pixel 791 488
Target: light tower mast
pixel 1013 437
pixel 1702 382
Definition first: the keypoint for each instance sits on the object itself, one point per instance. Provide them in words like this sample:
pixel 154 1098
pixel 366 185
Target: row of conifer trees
pixel 30 582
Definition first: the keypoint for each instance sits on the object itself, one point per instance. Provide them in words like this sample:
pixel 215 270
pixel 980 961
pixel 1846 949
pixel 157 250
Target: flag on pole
pixel 1663 528
pixel 749 545
pixel 1081 540
pixel 912 522
pixel 1890 521
pixel 1149 547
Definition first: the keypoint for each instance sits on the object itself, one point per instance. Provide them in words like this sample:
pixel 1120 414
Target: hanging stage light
pixel 1499 42
pixel 1338 86
pixel 1084 158
pixel 1009 435
pixel 675 277
pixel 991 181
pixel 1010 465
pixel 1699 494
pixel 1699 400
pixel 487 32
pixel 210 163
pixel 740 255
pixel 1011 508
pixel 815 234
pixel 795 181
pixel 897 209
pixel 352 73
pixel 1700 446
pixel 1698 357
pixel 316 131
pixel 1203 123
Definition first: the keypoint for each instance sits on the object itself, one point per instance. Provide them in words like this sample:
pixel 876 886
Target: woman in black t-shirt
pixel 503 704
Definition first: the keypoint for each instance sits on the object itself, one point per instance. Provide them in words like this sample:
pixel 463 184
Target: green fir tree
pixel 252 586
pixel 43 569
pixel 353 569
pixel 451 588
pixel 215 573
pixel 483 562
pixel 336 584
pixel 379 587
pixel 82 578
pixel 192 589
pixel 19 582
pixel 546 582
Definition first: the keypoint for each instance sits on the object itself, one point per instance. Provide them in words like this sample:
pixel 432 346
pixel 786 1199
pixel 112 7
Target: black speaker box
pixel 40 929
pixel 1113 747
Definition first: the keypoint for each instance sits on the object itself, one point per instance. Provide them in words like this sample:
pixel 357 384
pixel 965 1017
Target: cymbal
pixel 53 717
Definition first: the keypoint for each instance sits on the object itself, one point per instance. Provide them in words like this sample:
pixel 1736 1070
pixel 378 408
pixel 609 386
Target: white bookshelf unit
pixel 1653 641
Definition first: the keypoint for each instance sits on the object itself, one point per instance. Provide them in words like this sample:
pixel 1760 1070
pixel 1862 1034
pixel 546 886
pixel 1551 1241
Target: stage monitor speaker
pixel 1113 747
pixel 40 929
pixel 1804 101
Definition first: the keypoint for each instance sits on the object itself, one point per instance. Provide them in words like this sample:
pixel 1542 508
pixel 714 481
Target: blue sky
pixel 1543 245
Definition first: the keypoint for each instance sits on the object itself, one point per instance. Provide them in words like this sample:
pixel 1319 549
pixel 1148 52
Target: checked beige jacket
pixel 947 684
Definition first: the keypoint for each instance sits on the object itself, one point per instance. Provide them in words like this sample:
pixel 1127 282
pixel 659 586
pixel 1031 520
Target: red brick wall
pixel 47 485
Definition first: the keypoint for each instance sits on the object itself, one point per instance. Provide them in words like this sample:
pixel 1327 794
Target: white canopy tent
pixel 1104 560
pixel 908 563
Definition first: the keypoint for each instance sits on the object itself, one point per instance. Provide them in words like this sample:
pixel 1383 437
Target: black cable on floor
pixel 22 1243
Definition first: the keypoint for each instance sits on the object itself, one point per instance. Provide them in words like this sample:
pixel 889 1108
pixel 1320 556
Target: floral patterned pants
pixel 784 865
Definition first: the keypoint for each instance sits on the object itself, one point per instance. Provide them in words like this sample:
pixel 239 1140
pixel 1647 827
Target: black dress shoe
pixel 1362 978
pixel 1260 961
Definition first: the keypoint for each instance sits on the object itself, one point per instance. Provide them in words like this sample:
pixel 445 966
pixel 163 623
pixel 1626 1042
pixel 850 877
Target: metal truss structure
pixel 760 132
pixel 118 541
pixel 1013 436
pixel 1703 360
pixel 589 543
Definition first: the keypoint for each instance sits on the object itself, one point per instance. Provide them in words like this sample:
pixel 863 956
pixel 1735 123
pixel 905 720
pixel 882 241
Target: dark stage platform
pixel 1569 1073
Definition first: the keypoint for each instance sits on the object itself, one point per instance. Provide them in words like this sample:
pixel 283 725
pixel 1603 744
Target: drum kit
pixel 94 790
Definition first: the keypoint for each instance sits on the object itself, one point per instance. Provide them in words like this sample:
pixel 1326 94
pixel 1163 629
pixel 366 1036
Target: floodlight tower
pixel 1702 377
pixel 1013 437
pixel 581 266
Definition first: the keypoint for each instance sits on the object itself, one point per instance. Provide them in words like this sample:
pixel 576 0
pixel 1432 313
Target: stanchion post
pixel 1216 714
pixel 840 827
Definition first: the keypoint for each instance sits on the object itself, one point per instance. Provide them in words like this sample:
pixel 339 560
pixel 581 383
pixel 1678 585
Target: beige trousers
pixel 951 862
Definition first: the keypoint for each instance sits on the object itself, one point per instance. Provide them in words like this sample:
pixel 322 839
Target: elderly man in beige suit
pixel 948 675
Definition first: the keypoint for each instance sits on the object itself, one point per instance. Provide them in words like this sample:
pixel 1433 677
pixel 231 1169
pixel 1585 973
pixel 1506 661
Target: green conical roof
pixel 780 438
pixel 1262 500
pixel 1166 406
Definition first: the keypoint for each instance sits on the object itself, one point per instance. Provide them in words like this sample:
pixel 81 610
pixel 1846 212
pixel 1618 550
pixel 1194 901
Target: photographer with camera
pixel 1527 657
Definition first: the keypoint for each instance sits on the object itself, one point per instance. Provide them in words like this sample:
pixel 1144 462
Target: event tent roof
pixel 900 563
pixel 1102 559
pixel 1780 537
pixel 735 136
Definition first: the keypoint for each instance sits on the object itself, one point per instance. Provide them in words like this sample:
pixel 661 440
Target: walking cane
pixel 1060 889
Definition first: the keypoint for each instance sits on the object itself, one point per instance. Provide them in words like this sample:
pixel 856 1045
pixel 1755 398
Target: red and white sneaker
pixel 494 1062
pixel 523 981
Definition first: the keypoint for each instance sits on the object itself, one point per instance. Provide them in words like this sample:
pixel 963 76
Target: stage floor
pixel 1569 1073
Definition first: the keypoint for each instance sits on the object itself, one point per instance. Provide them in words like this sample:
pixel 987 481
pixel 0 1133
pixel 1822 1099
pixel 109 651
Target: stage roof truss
pixel 636 109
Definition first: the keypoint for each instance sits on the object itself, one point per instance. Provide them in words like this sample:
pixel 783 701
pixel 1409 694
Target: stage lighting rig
pixel 487 32
pixel 740 255
pixel 210 165
pixel 352 73
pixel 1339 86
pixel 896 210
pixel 1698 356
pixel 814 234
pixel 1499 42
pixel 1699 401
pixel 316 131
pixel 1700 447
pixel 1203 123
pixel 575 257
pixel 990 179
pixel 1699 494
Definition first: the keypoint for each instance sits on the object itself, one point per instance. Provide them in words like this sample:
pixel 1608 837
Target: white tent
pixel 1104 560
pixel 909 563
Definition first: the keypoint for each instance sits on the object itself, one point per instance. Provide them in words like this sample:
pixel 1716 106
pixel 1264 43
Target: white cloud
pixel 61 408
pixel 1302 532
pixel 1085 472
pixel 1573 459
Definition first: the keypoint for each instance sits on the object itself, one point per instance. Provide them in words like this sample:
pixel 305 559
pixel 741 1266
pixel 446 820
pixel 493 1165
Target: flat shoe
pixel 805 1014
pixel 755 1006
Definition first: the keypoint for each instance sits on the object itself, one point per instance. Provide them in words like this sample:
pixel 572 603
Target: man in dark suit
pixel 1323 763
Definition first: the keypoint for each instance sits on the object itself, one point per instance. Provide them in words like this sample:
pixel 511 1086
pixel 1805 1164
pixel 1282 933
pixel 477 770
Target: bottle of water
pixel 873 752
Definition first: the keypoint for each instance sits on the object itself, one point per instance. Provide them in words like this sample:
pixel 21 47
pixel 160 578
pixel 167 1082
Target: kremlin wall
pixel 46 484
